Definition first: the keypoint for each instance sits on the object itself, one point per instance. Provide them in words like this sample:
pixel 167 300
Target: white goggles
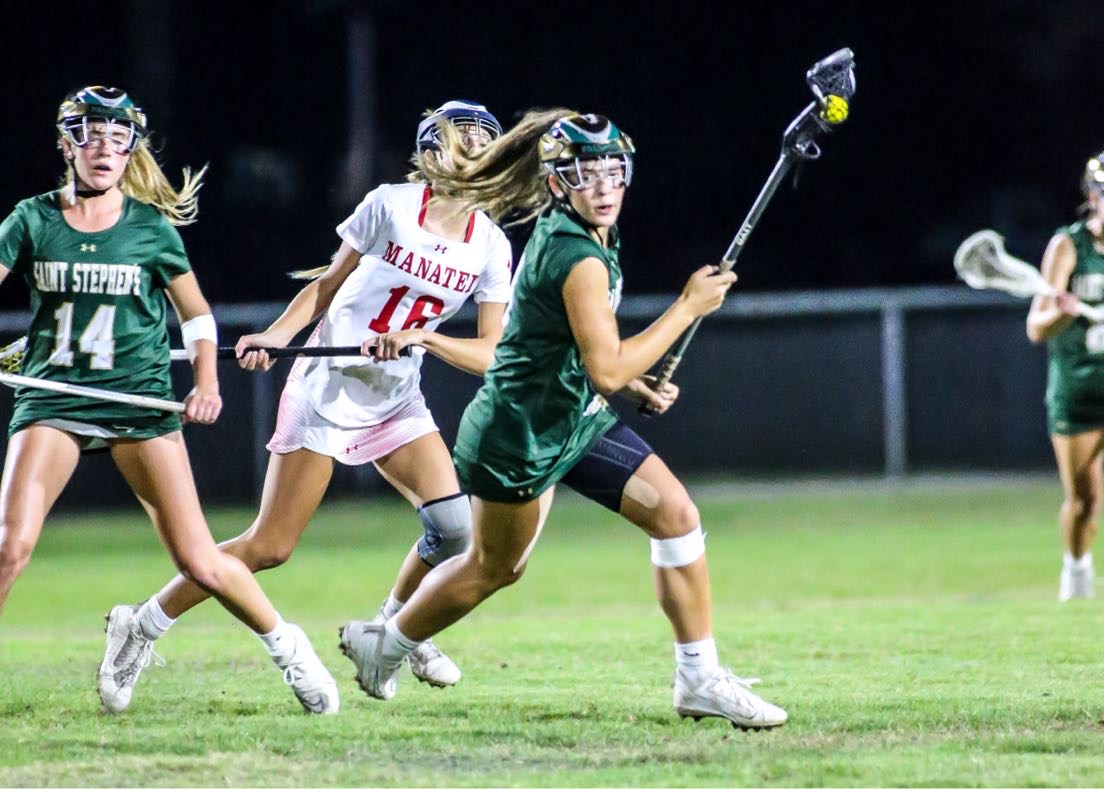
pixel 579 174
pixel 121 136
pixel 474 131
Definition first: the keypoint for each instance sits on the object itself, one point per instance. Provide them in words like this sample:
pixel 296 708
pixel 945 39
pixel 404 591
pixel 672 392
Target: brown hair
pixel 504 176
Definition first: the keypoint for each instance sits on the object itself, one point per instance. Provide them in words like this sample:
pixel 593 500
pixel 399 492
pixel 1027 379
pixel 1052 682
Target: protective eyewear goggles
pixel 475 132
pixel 121 136
pixel 579 174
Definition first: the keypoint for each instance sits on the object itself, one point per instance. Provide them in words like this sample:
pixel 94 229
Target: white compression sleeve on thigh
pixel 678 551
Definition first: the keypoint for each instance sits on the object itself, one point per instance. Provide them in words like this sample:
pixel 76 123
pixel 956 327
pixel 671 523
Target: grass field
pixel 912 633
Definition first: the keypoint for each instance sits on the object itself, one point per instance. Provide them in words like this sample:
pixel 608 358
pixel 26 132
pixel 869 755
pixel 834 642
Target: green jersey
pixel 98 313
pixel 1075 372
pixel 537 413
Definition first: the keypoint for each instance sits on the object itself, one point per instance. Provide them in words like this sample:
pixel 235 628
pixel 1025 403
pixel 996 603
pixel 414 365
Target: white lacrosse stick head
pixel 982 262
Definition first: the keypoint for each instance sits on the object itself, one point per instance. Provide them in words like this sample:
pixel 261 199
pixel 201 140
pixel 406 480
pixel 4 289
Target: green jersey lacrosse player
pixel 100 255
pixel 1074 264
pixel 542 415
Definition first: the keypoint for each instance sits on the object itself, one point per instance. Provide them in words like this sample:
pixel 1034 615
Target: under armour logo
pixel 440 249
pixel 88 247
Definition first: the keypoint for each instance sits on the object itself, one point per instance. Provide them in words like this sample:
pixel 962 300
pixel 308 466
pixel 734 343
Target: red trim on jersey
pixel 426 195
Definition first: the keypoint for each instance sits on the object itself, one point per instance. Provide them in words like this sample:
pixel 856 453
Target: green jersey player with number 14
pixel 99 256
pixel 1074 265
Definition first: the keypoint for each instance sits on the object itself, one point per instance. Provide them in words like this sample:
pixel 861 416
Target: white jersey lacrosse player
pixel 408 278
pixel 408 261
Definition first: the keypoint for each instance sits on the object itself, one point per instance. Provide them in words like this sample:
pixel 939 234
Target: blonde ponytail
pixel 144 181
pixel 309 273
pixel 503 177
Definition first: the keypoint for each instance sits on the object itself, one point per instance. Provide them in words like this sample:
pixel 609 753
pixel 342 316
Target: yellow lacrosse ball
pixel 835 109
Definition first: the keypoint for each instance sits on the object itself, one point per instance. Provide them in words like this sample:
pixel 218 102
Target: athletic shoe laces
pixel 428 651
pixel 733 686
pixel 137 654
pixel 297 673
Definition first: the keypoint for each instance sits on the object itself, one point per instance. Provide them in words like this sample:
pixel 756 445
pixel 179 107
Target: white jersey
pixel 407 278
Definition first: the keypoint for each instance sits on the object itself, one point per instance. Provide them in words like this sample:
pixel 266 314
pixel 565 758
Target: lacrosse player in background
pixel 541 416
pixel 409 259
pixel 97 254
pixel 1074 265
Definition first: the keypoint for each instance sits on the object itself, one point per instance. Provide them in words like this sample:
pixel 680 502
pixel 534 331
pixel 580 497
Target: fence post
pixel 894 393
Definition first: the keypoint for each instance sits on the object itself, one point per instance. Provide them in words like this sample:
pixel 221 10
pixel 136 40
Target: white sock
pixel 396 646
pixel 392 606
pixel 152 619
pixel 697 658
pixel 1084 561
pixel 280 642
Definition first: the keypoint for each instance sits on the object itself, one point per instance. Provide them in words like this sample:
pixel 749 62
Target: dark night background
pixel 979 116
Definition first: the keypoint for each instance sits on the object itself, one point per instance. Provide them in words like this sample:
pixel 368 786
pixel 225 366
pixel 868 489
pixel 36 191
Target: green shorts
pixel 1069 418
pixel 96 429
pixel 499 473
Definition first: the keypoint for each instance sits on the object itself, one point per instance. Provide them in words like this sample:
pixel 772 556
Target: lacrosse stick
pixel 229 352
pixel 832 82
pixel 10 379
pixel 982 263
pixel 11 358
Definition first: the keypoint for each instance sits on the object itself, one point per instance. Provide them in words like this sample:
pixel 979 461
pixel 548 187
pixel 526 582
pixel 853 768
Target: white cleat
pixel 309 679
pixel 427 663
pixel 128 652
pixel 1076 582
pixel 724 695
pixel 432 666
pixel 362 643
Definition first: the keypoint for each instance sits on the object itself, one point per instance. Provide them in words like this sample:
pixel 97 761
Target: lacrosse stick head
pixel 832 81
pixel 11 356
pixel 982 262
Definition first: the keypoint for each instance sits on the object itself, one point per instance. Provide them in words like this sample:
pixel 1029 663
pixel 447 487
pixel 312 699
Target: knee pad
pixel 447 524
pixel 678 551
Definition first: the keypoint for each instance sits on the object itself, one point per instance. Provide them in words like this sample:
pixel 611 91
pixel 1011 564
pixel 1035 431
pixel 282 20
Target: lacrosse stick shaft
pixel 832 81
pixel 1093 314
pixel 96 394
pixel 229 352
pixel 781 167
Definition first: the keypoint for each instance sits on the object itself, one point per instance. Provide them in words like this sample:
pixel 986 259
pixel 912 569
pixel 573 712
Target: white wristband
pixel 201 327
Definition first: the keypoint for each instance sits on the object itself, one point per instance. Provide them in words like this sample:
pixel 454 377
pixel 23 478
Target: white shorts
pixel 299 426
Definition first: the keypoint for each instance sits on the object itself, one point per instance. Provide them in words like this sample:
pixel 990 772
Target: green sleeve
pixel 14 240
pixel 564 253
pixel 171 260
